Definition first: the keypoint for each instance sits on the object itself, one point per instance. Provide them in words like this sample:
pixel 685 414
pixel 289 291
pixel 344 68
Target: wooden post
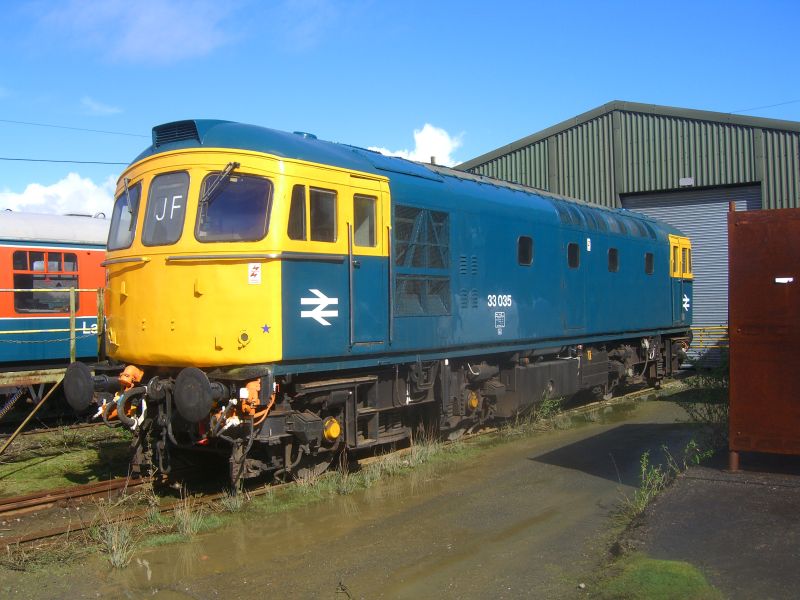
pixel 72 349
pixel 101 323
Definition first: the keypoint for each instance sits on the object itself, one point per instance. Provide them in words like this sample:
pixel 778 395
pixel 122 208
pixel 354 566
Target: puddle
pixel 508 519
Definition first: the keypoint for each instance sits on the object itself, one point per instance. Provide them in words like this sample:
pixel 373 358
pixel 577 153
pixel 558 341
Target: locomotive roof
pixel 304 146
pixel 60 229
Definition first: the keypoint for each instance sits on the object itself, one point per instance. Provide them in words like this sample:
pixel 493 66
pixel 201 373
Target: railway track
pixel 40 501
pixel 56 429
pixel 28 503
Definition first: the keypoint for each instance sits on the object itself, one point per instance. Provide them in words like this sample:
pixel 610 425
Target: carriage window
pixel 613 260
pixel 236 211
pixel 573 256
pixel 525 250
pixel 322 212
pixel 648 263
pixel 297 214
pixel 364 217
pixel 166 207
pixel 123 218
pixel 52 272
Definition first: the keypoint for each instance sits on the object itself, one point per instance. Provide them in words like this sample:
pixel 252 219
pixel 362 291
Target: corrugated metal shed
pixel 629 148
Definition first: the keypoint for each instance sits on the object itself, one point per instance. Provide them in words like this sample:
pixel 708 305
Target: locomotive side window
pixel 688 265
pixel 649 263
pixel 613 260
pixel 573 256
pixel 322 213
pixel 166 208
pixel 123 218
pixel 422 257
pixel 676 264
pixel 364 217
pixel 525 250
pixel 237 210
pixel 36 271
pixel 297 214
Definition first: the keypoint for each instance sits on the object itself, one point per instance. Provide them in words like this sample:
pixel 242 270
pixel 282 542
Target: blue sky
pixel 466 77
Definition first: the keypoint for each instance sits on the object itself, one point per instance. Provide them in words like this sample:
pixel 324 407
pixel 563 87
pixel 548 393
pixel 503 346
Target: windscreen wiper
pixel 222 177
pixel 127 195
pixel 125 182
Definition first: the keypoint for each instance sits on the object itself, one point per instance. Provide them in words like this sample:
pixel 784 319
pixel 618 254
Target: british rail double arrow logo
pixel 318 313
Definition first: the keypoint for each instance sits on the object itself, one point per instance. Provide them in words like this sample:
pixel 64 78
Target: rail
pixel 72 329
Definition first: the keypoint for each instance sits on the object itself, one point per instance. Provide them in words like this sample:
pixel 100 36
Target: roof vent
pixel 175 132
pixel 305 135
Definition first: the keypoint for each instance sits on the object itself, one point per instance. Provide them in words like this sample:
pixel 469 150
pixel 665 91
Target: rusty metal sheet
pixel 32 377
pixel 764 324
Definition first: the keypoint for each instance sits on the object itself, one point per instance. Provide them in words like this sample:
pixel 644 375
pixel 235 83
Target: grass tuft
pixel 188 515
pixel 234 500
pixel 115 537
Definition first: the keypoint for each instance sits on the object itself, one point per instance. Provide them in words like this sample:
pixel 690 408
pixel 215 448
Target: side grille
pixel 175 132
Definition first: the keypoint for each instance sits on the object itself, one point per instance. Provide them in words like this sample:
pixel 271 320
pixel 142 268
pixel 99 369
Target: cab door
pixel 680 278
pixel 368 270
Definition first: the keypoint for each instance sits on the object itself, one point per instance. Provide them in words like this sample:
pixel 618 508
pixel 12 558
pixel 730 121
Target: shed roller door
pixel 702 216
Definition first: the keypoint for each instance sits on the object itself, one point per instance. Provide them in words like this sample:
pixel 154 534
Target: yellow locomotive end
pixel 188 283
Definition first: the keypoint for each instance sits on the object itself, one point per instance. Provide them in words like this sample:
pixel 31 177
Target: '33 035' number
pixel 493 300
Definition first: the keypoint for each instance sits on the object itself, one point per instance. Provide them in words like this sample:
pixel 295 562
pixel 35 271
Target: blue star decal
pixel 265 328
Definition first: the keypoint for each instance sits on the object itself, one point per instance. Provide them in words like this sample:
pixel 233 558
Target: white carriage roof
pixel 61 229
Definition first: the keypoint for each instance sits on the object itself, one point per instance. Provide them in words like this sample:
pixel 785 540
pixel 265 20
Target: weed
pixel 548 408
pixel 234 500
pixel 654 478
pixel 188 515
pixel 59 552
pixel 115 537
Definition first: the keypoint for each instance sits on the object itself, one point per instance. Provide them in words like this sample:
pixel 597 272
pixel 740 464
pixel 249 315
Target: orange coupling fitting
pixel 130 377
pixel 248 398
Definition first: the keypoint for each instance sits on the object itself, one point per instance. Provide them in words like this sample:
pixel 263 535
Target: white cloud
pixel 93 107
pixel 73 194
pixel 160 31
pixel 429 141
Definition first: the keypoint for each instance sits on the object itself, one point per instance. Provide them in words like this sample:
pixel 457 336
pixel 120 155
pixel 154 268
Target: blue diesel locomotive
pixel 277 298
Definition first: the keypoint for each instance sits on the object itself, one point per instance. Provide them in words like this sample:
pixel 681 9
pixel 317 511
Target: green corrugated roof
pixel 635 107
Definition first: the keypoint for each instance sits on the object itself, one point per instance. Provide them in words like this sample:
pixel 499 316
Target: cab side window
pixel 297 214
pixel 322 215
pixel 364 218
pixel 123 218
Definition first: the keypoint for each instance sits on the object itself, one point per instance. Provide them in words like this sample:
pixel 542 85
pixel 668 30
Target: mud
pixel 524 519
